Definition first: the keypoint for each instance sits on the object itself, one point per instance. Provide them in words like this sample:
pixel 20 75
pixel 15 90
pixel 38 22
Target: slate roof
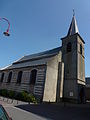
pixel 40 55
pixel 34 59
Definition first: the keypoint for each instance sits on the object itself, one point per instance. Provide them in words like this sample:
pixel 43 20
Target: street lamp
pixel 6 33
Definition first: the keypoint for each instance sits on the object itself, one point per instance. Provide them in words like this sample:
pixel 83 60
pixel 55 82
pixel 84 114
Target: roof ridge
pixel 42 52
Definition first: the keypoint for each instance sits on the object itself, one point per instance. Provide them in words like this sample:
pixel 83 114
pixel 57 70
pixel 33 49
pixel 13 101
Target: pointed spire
pixel 73 26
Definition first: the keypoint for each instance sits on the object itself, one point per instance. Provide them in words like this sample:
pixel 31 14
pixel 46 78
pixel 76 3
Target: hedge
pixel 23 96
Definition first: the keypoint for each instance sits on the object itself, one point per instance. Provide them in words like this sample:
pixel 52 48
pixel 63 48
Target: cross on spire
pixel 73 12
pixel 73 26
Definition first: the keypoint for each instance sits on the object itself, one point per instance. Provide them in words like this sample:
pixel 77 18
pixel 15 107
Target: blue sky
pixel 38 25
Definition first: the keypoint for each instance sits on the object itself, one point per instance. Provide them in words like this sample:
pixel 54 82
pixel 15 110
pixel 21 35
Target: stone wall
pixel 51 81
pixel 25 85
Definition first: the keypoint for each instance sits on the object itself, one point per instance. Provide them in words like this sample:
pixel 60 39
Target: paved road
pixel 48 111
pixel 59 112
pixel 18 114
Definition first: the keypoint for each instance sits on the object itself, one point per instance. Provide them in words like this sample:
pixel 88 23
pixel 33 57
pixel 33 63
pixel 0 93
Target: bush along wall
pixel 23 96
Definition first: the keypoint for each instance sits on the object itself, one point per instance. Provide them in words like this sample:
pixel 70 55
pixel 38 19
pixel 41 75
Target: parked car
pixel 3 114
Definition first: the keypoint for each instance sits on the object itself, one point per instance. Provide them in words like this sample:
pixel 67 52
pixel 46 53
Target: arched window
pixel 2 77
pixel 80 49
pixel 69 47
pixel 33 77
pixel 9 77
pixel 19 77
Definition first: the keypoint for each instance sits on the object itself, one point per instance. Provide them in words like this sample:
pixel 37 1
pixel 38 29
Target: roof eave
pixel 73 35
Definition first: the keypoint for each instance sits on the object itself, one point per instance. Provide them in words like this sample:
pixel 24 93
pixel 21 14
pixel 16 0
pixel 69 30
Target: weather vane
pixel 6 33
pixel 73 12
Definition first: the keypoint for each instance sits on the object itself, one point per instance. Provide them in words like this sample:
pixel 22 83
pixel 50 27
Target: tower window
pixel 33 77
pixel 19 77
pixel 2 78
pixel 80 49
pixel 69 47
pixel 9 77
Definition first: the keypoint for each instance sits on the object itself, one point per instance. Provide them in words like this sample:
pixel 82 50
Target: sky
pixel 39 25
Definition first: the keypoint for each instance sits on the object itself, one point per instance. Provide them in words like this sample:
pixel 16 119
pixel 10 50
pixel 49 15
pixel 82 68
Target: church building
pixel 53 75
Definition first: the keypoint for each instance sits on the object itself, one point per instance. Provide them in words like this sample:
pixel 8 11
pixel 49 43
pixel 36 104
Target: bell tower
pixel 73 58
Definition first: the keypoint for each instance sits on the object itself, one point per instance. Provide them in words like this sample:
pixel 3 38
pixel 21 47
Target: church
pixel 52 76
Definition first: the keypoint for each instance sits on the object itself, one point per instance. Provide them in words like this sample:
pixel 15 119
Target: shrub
pixel 23 96
pixel 4 92
pixel 11 94
pixel 32 98
pixel 1 92
pixel 29 98
pixel 17 96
